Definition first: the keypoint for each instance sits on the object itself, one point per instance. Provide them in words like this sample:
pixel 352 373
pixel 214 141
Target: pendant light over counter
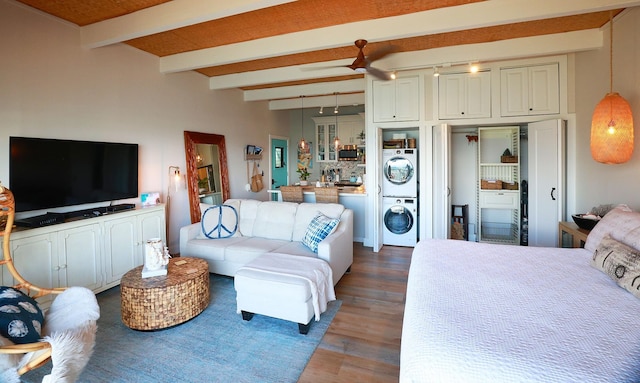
pixel 612 123
pixel 303 146
pixel 336 140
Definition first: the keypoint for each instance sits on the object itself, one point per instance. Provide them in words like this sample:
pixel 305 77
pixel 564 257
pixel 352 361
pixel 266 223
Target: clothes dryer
pixel 400 173
pixel 400 221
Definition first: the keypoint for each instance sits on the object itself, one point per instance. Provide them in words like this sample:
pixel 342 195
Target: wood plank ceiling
pixel 293 47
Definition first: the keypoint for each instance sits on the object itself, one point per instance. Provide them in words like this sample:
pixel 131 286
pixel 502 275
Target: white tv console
pixel 94 252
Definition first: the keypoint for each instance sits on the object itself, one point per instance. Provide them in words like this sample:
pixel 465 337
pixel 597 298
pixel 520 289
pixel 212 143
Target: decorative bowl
pixel 584 223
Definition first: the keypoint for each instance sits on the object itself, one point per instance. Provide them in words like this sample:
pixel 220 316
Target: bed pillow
pixel 319 228
pixel 20 316
pixel 620 262
pixel 617 223
pixel 218 221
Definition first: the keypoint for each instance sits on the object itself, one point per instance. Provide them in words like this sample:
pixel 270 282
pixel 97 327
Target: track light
pixel 473 68
pixel 393 75
pixel 335 110
pixel 435 71
pixel 321 110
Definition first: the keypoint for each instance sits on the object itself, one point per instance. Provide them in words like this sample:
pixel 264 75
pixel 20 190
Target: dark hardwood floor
pixel 362 343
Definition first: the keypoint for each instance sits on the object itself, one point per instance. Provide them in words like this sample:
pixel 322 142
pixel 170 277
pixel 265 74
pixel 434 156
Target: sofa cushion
pixel 248 208
pixel 208 249
pixel 295 248
pixel 20 317
pixel 248 250
pixel 319 228
pixel 307 211
pixel 219 221
pixel 275 220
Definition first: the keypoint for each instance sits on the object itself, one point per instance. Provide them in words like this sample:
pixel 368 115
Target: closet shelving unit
pixel 498 187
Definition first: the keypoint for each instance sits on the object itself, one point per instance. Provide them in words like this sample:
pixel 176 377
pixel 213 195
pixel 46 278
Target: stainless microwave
pixel 348 153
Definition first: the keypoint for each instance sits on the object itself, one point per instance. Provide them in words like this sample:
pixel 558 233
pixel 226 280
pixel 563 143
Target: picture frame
pixel 150 198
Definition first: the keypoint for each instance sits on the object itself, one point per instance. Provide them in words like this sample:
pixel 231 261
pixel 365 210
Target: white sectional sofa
pixel 268 226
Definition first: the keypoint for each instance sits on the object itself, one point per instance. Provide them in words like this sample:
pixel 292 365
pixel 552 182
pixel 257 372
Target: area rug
pixel 215 346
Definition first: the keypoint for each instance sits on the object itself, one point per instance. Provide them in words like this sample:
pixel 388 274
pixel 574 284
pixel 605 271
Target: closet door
pixel 441 186
pixel 546 181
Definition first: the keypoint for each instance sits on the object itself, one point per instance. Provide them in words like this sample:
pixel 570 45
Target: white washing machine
pixel 400 221
pixel 400 173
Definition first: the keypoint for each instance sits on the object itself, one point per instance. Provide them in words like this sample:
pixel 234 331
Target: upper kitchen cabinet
pixel 532 90
pixel 396 100
pixel 464 95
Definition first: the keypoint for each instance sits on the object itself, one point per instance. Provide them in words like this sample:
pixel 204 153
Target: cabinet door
pixel 121 248
pixel 478 95
pixel 529 90
pixel 407 99
pixel 79 257
pixel 36 260
pixel 451 96
pixel 384 101
pixel 514 92
pixel 151 225
pixel 546 181
pixel 544 93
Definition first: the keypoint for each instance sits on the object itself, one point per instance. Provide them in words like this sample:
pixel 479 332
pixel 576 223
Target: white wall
pixel 51 87
pixel 598 183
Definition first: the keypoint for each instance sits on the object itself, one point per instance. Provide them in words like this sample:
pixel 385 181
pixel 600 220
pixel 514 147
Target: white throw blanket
pixel 316 272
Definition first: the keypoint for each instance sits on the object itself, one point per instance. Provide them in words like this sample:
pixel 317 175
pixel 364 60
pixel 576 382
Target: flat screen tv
pixel 47 173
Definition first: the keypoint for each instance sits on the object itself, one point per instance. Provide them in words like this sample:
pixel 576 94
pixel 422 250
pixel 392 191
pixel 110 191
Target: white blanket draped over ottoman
pixel 284 286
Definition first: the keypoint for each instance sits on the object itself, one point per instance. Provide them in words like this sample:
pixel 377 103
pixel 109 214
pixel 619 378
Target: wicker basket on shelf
pixel 509 159
pixel 491 184
pixel 510 185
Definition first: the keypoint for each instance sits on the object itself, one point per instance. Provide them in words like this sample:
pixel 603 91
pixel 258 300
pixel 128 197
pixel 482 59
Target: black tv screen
pixel 47 173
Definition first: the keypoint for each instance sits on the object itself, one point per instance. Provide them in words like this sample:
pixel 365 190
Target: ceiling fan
pixel 362 63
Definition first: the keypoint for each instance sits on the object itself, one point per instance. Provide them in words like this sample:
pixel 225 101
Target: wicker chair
pixel 326 195
pixel 41 350
pixel 292 194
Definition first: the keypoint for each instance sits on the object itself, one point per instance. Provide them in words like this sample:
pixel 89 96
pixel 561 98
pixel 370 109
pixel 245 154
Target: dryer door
pixel 398 219
pixel 398 170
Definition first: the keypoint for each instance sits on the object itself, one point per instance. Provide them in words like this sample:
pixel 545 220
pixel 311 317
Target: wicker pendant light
pixel 612 123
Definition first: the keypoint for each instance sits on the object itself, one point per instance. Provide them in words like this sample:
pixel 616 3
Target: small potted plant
pixel 304 176
pixel 361 136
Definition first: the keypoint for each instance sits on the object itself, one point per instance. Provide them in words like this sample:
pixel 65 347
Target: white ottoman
pixel 278 294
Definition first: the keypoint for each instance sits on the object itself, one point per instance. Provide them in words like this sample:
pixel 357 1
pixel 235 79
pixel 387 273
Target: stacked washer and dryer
pixel 400 197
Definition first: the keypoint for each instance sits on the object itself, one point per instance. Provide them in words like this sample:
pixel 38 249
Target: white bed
pixel 479 312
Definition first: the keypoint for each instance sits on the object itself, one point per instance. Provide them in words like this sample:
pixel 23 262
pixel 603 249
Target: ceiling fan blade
pixel 382 52
pixel 378 73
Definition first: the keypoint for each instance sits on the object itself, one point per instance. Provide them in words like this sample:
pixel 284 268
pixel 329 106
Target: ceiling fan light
pixel 361 70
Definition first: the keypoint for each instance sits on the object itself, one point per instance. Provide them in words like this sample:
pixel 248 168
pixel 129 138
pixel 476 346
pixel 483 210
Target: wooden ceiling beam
pixel 164 17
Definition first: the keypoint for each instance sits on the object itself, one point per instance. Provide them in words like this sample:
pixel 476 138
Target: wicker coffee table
pixel 164 301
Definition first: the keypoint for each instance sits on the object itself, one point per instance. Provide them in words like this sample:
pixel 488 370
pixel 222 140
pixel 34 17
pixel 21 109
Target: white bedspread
pixel 494 313
pixel 316 272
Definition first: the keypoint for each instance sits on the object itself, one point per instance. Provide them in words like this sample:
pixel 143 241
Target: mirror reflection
pixel 207 176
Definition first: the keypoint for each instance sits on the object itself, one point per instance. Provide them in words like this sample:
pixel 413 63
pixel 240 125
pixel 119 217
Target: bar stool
pixel 292 194
pixel 326 195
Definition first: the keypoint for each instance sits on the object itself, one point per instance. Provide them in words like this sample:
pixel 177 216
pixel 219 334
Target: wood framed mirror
pixel 192 141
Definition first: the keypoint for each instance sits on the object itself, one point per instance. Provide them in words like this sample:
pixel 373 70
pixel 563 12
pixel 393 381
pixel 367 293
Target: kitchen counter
pixel 342 191
pixel 350 197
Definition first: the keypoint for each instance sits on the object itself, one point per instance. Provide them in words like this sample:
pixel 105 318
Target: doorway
pixel 279 162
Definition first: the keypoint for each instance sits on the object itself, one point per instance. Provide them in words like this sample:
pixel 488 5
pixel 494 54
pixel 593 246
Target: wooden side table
pixel 578 235
pixel 164 301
